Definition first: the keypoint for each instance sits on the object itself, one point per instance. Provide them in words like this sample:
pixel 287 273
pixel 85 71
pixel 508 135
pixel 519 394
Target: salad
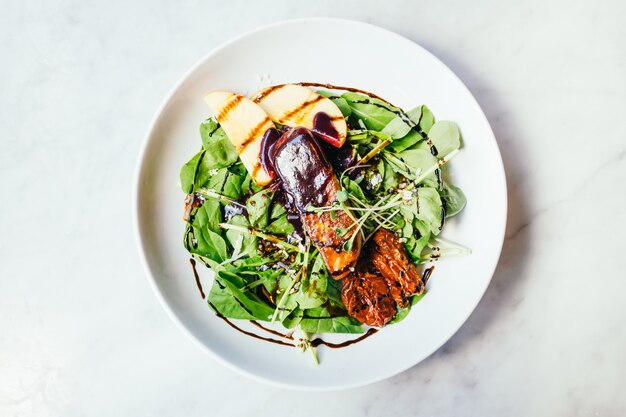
pixel 319 208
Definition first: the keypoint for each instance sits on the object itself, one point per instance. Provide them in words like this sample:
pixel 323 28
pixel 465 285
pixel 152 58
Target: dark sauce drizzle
pixel 318 341
pixel 195 274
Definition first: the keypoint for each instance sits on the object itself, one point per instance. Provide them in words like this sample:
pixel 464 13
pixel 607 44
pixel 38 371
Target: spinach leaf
pixel 250 307
pixel 429 209
pixel 226 183
pixel 293 319
pixel 188 173
pixel 204 238
pixel 416 243
pixel 281 226
pixel 217 152
pixel 374 113
pixel 455 199
pixel 319 320
pixel 353 188
pixel 333 291
pixel 249 242
pixel 339 102
pixel 313 288
pixel 445 136
pixel 403 123
pixel 403 312
pixel 258 206
pixel 427 120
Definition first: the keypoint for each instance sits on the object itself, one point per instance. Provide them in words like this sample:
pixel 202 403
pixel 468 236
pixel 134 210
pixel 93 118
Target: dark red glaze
pixel 324 128
pixel 340 158
pixel 302 166
pixel 270 138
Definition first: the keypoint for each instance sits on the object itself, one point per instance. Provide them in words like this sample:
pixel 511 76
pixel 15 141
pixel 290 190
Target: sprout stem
pixel 382 145
pixel 261 235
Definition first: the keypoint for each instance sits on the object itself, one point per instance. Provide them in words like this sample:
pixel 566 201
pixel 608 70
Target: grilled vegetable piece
pixel 367 298
pixel 245 123
pixel 310 181
pixel 294 105
pixel 390 258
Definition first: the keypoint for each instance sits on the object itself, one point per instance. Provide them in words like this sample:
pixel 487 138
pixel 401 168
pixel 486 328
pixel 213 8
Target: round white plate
pixel 339 52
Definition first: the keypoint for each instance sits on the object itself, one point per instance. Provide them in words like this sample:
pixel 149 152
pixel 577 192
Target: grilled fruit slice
pixel 390 258
pixel 309 180
pixel 245 123
pixel 294 105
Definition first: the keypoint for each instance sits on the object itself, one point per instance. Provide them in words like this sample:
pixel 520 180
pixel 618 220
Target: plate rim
pixel 150 276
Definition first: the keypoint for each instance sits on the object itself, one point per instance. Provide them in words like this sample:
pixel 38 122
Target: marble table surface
pixel 81 332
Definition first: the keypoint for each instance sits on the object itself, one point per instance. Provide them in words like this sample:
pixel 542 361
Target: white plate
pixel 339 52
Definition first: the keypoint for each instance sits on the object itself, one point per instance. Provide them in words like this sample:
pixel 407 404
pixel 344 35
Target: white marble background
pixel 81 332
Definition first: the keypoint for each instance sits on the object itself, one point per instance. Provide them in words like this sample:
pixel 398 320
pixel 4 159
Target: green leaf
pixel 226 304
pixel 417 161
pixel 220 151
pixel 445 136
pixel 403 312
pixel 427 120
pixel 312 291
pixel 188 173
pixel 204 237
pixel 374 113
pixel 320 320
pixel 249 242
pixel 397 128
pixel 226 183
pixel 342 195
pixel 429 208
pixel 258 206
pixel 454 198
pixel 254 307
pixel 339 102
pixel 293 318
pixel 281 226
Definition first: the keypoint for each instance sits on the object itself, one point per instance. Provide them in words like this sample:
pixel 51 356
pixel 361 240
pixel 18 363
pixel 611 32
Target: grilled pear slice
pixel 294 105
pixel 245 123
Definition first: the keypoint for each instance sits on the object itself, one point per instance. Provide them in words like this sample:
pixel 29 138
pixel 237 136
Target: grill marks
pixel 252 134
pixel 229 107
pixel 295 111
pixel 302 107
pixel 267 92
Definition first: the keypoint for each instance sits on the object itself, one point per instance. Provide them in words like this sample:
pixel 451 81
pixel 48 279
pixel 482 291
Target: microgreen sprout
pixel 261 235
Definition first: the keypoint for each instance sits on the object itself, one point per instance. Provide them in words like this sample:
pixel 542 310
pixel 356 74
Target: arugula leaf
pixel 319 320
pixel 454 198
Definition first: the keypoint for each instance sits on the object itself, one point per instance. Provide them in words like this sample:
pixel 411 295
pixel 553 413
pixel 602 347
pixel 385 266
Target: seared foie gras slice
pixel 245 123
pixel 367 298
pixel 390 258
pixel 310 181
